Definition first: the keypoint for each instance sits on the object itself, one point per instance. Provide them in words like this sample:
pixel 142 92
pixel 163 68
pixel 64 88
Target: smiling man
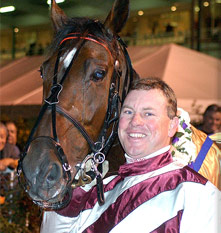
pixel 147 123
pixel 176 195
pixel 153 192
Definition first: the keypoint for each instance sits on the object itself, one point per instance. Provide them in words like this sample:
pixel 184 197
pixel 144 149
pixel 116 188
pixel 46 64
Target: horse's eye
pixel 98 75
pixel 41 72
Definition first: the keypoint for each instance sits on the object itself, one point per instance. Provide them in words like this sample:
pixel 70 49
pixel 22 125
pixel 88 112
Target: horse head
pixel 86 76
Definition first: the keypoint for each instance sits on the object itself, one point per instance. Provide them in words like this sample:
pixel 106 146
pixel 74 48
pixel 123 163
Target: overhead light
pixel 206 4
pixel 197 9
pixel 140 13
pixel 57 1
pixel 6 9
pixel 173 8
pixel 16 30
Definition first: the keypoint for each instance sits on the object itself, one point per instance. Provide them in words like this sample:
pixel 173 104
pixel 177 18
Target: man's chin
pixel 135 155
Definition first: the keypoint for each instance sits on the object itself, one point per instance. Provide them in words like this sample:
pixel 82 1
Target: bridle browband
pixel 99 148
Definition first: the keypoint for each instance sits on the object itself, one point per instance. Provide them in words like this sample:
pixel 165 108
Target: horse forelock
pixel 82 25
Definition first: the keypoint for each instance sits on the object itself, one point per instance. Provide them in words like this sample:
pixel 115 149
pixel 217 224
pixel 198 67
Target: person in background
pixel 153 191
pixel 9 155
pixel 12 134
pixel 211 120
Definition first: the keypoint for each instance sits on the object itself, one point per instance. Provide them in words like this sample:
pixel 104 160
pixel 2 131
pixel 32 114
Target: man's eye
pixel 148 114
pixel 129 112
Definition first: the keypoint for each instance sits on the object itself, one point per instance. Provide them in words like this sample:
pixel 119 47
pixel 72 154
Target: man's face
pixel 212 122
pixel 144 125
pixel 3 137
pixel 12 133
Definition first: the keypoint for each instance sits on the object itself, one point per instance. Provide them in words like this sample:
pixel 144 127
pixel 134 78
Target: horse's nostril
pixel 54 174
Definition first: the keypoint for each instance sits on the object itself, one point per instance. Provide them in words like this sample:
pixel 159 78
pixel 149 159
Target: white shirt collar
pixel 160 151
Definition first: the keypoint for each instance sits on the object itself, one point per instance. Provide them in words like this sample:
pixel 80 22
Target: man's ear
pixel 173 126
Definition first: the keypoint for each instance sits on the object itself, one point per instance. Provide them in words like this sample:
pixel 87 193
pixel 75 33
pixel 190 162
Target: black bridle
pixel 99 148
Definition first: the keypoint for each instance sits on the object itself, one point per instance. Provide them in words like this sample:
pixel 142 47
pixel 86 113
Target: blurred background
pixel 196 24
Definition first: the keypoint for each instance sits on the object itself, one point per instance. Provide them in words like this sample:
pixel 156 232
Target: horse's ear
pixel 58 16
pixel 117 17
pixel 136 76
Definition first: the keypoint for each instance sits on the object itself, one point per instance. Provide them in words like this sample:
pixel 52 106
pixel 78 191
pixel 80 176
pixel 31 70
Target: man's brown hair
pixel 156 83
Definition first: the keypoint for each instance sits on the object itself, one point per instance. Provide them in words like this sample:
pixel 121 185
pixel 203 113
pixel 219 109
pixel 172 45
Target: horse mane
pixel 80 25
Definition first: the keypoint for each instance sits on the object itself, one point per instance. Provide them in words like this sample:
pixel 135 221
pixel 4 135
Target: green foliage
pixel 179 134
pixel 5 226
pixel 18 213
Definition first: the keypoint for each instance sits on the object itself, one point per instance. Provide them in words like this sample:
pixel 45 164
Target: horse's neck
pixel 115 157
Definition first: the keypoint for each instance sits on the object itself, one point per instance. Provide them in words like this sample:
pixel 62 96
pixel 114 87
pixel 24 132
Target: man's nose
pixel 137 120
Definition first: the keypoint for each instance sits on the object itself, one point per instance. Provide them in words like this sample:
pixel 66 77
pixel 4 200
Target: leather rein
pixel 99 148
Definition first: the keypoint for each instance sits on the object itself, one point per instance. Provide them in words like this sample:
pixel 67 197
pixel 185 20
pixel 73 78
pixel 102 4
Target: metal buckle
pixel 66 167
pixel 55 92
pixel 99 157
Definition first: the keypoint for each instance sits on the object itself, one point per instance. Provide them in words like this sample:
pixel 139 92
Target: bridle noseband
pixel 99 148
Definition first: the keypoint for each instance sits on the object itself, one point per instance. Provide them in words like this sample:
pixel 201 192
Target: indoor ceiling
pixel 35 12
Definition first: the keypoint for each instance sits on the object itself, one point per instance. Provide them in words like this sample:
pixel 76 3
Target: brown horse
pixel 86 76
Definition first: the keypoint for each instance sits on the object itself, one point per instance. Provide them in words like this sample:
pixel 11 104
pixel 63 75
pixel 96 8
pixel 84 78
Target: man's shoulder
pixel 17 150
pixel 11 151
pixel 194 184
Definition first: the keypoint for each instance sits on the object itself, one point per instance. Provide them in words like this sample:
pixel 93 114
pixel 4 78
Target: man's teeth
pixel 137 135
